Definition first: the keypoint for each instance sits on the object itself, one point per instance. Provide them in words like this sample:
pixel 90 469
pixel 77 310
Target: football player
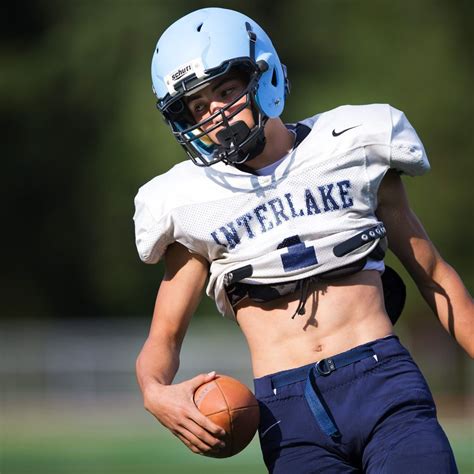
pixel 288 224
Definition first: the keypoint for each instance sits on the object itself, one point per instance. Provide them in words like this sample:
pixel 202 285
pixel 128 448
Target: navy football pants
pixel 375 415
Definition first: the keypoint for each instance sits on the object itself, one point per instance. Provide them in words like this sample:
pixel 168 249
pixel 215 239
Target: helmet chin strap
pixel 238 144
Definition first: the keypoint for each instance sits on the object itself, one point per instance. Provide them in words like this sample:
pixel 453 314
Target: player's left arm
pixel 438 282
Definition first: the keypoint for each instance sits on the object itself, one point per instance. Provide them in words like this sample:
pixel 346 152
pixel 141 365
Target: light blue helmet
pixel 196 49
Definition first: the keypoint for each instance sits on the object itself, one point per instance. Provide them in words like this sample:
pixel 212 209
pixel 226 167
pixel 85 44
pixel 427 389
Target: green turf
pixel 137 445
pixel 103 440
pixel 116 454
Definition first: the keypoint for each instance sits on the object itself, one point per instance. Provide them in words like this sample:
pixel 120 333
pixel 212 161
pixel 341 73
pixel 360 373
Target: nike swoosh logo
pixel 269 428
pixel 336 134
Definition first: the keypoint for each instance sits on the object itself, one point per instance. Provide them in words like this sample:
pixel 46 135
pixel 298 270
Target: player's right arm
pixel 158 361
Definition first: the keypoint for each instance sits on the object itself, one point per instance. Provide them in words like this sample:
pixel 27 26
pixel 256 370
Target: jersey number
pixel 298 255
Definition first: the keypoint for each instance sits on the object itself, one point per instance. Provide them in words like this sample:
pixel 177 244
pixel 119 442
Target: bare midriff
pixel 339 315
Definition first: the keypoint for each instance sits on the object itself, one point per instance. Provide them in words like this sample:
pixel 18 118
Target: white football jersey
pixel 284 226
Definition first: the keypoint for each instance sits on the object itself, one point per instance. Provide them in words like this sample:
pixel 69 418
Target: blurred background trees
pixel 81 133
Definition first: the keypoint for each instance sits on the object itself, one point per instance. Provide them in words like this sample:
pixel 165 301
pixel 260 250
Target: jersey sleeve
pixel 153 233
pixel 407 153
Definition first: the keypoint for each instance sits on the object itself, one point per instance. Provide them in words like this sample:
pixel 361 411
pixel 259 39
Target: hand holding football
pixel 231 405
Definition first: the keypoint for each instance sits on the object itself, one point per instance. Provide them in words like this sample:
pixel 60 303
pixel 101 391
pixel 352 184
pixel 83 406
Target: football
pixel 231 405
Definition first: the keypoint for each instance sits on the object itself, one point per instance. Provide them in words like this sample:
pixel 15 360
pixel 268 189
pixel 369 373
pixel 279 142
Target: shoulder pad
pixel 392 140
pixel 154 203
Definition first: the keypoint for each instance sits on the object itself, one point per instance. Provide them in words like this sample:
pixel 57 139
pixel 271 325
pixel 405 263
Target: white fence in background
pixel 98 356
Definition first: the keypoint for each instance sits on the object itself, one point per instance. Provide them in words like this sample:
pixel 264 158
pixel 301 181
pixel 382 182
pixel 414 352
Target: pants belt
pixel 313 396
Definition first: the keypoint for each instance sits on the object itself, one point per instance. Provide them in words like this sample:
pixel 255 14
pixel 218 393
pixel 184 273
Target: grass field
pixel 118 437
pixel 70 404
pixel 102 438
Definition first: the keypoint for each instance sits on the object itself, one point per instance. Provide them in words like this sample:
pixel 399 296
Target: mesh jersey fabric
pixel 323 193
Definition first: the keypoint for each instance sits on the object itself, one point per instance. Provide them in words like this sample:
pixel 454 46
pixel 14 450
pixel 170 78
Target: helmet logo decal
pixel 182 72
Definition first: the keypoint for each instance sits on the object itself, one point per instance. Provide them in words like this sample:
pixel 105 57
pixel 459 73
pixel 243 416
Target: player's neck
pixel 279 142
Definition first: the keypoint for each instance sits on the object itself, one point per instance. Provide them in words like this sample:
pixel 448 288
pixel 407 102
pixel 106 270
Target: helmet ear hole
pixel 274 80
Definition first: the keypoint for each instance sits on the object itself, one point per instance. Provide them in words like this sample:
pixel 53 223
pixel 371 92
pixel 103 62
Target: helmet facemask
pixel 237 142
